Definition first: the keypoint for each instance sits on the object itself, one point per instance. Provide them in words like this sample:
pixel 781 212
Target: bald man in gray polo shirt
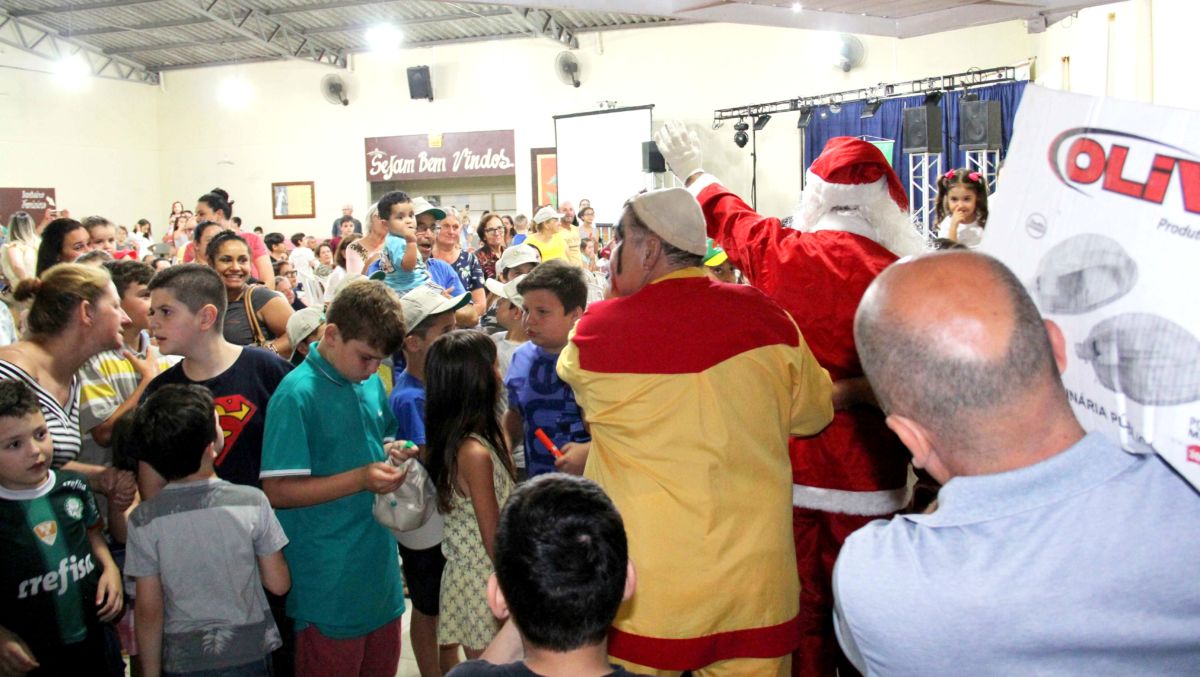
pixel 1052 551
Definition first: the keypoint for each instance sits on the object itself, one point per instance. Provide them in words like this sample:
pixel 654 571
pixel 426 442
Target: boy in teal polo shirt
pixel 323 459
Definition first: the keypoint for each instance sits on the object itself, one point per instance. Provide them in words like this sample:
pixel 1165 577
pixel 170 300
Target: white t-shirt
pixel 969 234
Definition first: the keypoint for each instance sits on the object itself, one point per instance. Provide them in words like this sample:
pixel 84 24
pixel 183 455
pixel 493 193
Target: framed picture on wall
pixel 544 171
pixel 293 200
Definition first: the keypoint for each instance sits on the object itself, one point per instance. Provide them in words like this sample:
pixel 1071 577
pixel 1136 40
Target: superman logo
pixel 234 413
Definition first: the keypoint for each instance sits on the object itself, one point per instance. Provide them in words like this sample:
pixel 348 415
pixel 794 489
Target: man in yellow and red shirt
pixel 691 388
pixel 853 223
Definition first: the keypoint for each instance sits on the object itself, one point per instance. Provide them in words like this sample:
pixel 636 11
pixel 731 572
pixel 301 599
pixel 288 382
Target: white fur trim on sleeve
pixel 704 181
pixel 851 502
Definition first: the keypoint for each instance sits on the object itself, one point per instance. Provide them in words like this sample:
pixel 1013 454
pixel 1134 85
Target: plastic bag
pixel 412 504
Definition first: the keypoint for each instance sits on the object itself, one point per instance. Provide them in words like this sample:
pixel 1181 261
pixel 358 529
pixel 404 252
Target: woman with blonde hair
pixel 74 313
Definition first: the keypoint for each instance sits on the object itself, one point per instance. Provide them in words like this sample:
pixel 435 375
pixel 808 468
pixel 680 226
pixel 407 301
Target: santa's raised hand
pixel 680 147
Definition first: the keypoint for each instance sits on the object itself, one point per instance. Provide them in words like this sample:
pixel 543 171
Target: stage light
pixel 870 108
pixel 740 137
pixel 806 114
pixel 932 98
pixel 969 96
pixel 796 7
pixel 384 38
pixel 760 122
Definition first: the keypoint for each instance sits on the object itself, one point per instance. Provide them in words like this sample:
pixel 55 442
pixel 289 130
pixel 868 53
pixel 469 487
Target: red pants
pixel 819 537
pixel 373 655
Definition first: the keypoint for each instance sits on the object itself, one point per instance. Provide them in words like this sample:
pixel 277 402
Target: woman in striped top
pixel 74 314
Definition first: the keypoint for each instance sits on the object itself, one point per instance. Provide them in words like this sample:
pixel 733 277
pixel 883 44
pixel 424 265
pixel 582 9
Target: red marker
pixel 549 443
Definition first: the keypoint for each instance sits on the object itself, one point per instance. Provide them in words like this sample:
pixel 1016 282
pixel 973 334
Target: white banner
pixel 1097 211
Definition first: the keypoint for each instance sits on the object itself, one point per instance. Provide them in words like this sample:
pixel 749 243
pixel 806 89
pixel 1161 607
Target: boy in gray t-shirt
pixel 203 549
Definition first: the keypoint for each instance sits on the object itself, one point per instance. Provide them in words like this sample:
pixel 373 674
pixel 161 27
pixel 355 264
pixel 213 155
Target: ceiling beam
pixel 401 23
pixel 318 6
pixel 216 64
pixel 61 9
pixel 544 24
pixel 174 23
pixel 30 36
pixel 274 35
pixel 167 46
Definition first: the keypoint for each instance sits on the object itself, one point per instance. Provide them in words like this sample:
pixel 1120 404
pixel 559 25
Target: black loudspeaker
pixel 979 125
pixel 922 131
pixel 652 160
pixel 419 84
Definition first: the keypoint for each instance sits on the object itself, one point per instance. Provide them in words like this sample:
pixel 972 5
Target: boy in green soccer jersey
pixel 59 586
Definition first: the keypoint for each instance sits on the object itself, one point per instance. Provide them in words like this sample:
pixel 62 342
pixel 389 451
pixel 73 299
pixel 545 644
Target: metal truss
pixel 277 38
pixel 942 83
pixel 29 36
pixel 543 24
pixel 987 163
pixel 923 172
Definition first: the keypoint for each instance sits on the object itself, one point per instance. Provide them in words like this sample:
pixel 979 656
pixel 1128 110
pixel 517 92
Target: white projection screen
pixel 600 158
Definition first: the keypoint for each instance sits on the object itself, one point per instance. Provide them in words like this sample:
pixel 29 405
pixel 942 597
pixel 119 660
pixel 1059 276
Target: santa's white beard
pixel 893 228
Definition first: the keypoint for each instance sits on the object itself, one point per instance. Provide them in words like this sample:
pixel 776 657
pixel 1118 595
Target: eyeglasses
pixel 290 273
pixel 493 231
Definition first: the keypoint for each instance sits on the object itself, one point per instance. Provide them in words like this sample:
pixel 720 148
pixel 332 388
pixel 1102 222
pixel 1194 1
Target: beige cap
pixel 427 300
pixel 505 290
pixel 302 323
pixel 517 256
pixel 545 214
pixel 674 215
pixel 421 205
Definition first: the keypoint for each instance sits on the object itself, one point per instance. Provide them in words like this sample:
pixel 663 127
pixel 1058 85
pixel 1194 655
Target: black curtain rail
pixel 941 83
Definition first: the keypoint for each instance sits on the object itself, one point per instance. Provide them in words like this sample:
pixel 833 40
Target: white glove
pixel 680 148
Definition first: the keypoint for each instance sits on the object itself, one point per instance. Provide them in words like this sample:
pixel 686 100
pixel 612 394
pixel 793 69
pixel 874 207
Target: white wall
pixel 99 146
pixel 289 133
pixel 129 150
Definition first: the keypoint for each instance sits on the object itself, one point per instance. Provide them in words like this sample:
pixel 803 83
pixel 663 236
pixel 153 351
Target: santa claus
pixel 853 223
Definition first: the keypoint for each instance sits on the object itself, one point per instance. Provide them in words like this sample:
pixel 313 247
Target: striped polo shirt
pixel 63 424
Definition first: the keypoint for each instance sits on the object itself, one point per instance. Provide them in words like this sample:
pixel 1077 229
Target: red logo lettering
pixel 1193 454
pixel 1099 156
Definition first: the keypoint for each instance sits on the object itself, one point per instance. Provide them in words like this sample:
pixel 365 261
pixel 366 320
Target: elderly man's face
pixel 629 271
pixel 568 212
pixel 347 210
pixel 425 231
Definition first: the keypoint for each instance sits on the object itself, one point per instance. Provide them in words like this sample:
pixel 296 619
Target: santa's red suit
pixel 855 470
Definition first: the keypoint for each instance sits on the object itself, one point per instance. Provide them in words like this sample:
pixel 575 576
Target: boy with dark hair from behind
pixel 202 550
pixel 553 296
pixel 562 571
pixel 324 459
pixel 59 586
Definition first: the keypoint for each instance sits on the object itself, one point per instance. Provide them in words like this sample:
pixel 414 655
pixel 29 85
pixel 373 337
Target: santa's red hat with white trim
pixel 849 172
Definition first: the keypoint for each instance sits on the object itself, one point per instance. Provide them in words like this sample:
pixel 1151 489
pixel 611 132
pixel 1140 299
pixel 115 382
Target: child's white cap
pixel 427 300
pixel 517 256
pixel 505 290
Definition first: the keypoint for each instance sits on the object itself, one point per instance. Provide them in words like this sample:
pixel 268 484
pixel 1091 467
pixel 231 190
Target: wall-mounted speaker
pixel 979 125
pixel 419 84
pixel 922 131
pixel 652 160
